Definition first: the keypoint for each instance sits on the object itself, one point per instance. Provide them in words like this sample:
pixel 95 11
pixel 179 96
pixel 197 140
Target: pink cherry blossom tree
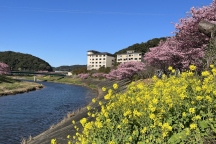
pixel 99 75
pixel 4 69
pixel 84 75
pixel 188 46
pixel 126 70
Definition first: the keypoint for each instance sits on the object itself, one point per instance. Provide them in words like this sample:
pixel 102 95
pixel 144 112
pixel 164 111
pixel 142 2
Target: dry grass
pixel 10 86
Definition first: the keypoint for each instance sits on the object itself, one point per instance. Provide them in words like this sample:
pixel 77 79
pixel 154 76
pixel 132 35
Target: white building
pixel 96 59
pixel 129 56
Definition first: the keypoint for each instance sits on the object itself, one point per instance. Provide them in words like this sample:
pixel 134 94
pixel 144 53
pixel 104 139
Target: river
pixel 31 113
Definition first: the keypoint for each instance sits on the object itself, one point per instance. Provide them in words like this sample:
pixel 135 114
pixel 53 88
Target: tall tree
pixel 188 45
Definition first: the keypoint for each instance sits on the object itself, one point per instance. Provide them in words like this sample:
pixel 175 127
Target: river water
pixel 31 113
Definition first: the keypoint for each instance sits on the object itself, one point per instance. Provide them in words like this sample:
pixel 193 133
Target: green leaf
pixel 203 124
pixel 176 138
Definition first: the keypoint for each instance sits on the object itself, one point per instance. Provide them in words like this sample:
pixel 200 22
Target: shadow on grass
pixel 7 79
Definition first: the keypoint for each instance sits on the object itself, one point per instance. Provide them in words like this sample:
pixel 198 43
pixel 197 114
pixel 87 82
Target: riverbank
pixel 64 128
pixel 9 86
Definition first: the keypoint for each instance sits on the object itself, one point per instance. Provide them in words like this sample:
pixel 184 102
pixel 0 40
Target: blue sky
pixel 62 31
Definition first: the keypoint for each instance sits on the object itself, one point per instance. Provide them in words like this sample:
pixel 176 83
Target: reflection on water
pixel 31 113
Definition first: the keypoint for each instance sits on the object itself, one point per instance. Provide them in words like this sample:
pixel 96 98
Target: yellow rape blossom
pixel 88 107
pixel 83 121
pixel 205 73
pixel 199 98
pixel 193 126
pixel 173 71
pixel 94 100
pixel 73 122
pixel 103 89
pixel 53 141
pixel 115 86
pixel 170 68
pixel 152 116
pixel 144 130
pixel 191 110
pixel 211 66
pixel 112 142
pixel 192 67
pixel 184 114
pixel 98 124
pixel 107 96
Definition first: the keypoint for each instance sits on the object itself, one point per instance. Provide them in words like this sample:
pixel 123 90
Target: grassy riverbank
pixel 174 109
pixel 10 86
pixel 60 79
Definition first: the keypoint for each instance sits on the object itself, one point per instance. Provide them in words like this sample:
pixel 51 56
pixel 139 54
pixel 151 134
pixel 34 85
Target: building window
pixel 96 59
pixel 100 59
pixel 103 58
pixel 92 59
pixel 135 59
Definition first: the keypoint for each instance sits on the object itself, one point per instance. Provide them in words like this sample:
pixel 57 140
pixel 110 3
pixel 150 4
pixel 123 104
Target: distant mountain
pixel 68 68
pixel 24 62
pixel 142 47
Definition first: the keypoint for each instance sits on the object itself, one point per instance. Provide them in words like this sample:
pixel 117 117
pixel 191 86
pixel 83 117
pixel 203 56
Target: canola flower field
pixel 175 109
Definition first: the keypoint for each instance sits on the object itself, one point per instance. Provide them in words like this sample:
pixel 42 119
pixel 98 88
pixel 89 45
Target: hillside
pixel 142 47
pixel 20 61
pixel 68 68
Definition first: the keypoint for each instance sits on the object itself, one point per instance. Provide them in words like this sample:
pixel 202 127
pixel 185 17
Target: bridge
pixel 36 73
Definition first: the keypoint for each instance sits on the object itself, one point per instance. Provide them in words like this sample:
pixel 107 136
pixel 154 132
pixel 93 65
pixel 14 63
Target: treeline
pixel 24 62
pixel 68 68
pixel 142 47
pixel 84 70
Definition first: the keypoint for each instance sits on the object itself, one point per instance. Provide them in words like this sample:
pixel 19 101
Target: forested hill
pixel 142 47
pixel 27 62
pixel 68 68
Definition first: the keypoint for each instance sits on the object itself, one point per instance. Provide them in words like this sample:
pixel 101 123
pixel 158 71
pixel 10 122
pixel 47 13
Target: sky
pixel 62 31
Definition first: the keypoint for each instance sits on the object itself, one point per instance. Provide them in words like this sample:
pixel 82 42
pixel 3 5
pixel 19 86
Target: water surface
pixel 31 113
